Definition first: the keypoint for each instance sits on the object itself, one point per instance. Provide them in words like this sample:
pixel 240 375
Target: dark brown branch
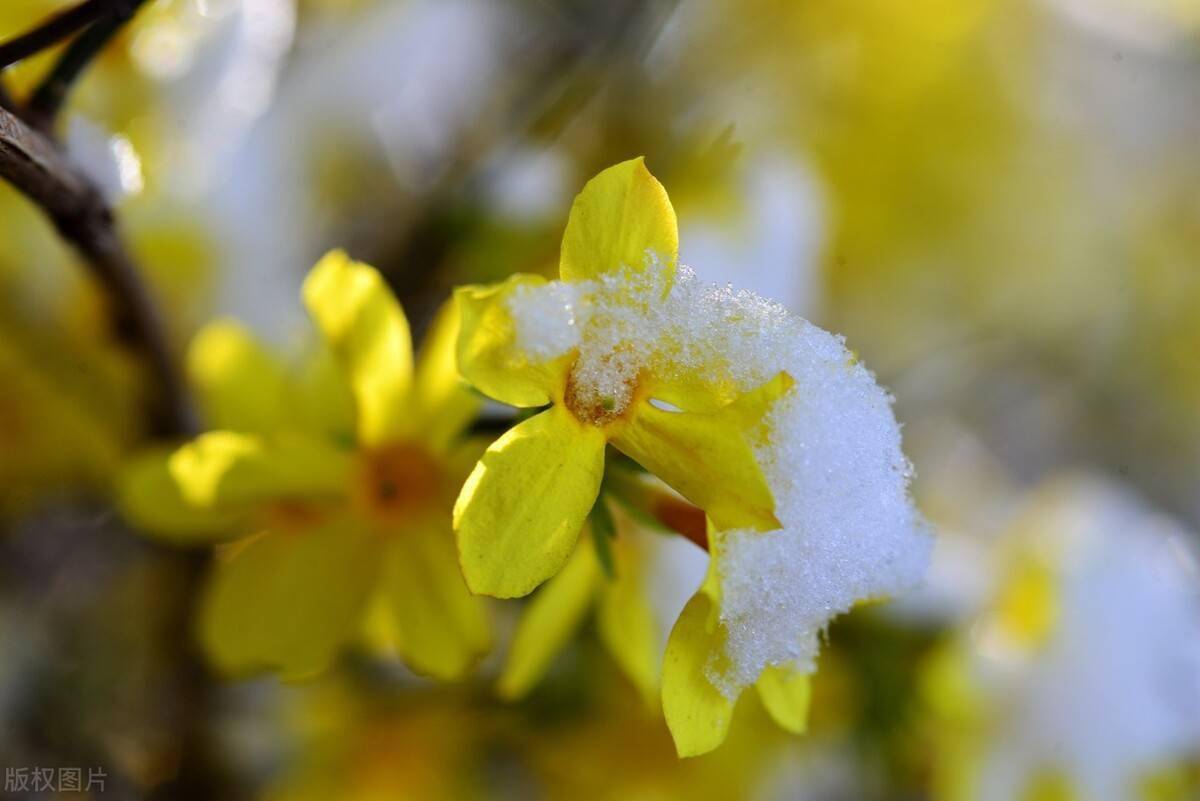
pixel 53 31
pixel 50 95
pixel 36 168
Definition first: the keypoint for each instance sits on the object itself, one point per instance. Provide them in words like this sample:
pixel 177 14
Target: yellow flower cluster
pixel 342 501
pixel 327 486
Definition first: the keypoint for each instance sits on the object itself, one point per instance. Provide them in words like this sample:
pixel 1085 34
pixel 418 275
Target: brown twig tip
pixel 53 31
pixel 31 163
pixel 50 95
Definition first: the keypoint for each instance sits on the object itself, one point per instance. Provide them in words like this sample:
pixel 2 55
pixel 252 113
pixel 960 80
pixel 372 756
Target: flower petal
pixel 239 385
pixel 708 456
pixel 439 628
pixel 444 403
pixel 548 622
pixel 321 401
pixel 625 620
pixel 151 500
pixel 697 714
pixel 620 215
pixel 368 333
pixel 488 356
pixel 520 511
pixel 228 470
pixel 287 600
pixel 786 692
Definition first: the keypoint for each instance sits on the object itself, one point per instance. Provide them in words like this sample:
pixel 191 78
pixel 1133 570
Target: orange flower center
pixel 599 405
pixel 399 480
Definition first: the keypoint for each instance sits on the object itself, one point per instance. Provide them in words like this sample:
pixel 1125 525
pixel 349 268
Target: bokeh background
pixel 995 201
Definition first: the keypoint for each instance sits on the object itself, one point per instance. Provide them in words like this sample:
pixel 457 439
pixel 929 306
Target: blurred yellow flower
pixel 337 485
pixel 520 512
pixel 1059 689
pixel 370 746
pixel 356 742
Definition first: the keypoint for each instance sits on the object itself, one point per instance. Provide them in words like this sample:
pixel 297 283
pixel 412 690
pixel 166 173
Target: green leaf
pixel 603 532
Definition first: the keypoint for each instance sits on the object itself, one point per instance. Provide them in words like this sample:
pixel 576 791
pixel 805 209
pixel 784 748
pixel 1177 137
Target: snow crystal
pixel 833 460
pixel 546 318
pixel 830 448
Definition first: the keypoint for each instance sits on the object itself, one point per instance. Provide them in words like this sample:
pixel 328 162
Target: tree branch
pixel 36 168
pixel 53 31
pixel 50 95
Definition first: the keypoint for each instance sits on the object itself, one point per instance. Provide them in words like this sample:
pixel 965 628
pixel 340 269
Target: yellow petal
pixel 368 333
pixel 1027 609
pixel 621 215
pixel 150 500
pixel 708 456
pixel 439 628
pixel 786 692
pixel 625 620
pixel 697 714
pixel 288 600
pixel 444 404
pixel 228 470
pixel 322 402
pixel 548 622
pixel 377 630
pixel 519 513
pixel 238 384
pixel 488 356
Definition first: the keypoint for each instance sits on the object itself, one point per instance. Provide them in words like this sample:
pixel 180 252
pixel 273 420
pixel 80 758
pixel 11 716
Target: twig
pixel 35 167
pixel 32 164
pixel 53 31
pixel 48 98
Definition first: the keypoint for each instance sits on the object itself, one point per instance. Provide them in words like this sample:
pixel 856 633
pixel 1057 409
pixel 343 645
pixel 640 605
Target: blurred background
pixel 995 201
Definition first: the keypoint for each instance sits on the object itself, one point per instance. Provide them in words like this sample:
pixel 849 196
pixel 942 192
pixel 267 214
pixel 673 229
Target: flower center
pixel 398 480
pixel 601 388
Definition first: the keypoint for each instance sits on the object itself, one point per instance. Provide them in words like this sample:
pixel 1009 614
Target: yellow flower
pixel 625 601
pixel 337 484
pixel 607 380
pixel 697 710
pixel 620 593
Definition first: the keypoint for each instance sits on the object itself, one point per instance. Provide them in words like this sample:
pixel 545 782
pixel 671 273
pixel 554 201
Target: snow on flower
pixel 829 448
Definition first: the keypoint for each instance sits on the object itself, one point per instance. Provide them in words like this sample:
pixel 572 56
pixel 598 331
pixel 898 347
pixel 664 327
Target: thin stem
pixel 50 95
pixel 53 31
pixel 31 163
